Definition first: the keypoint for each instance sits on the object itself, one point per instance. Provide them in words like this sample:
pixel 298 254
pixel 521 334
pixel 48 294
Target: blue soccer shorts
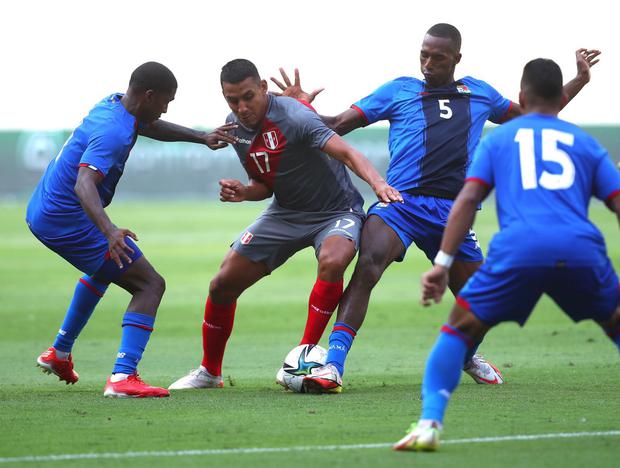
pixel 87 250
pixel 510 295
pixel 422 219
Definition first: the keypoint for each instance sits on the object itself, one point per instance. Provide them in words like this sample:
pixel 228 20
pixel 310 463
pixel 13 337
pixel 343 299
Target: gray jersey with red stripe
pixel 285 154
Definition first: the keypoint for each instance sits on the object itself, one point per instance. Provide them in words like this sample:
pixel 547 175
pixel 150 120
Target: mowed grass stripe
pixel 302 448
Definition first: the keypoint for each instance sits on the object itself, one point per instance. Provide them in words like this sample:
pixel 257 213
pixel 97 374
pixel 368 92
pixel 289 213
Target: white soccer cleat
pixel 290 382
pixel 324 379
pixel 280 378
pixel 197 378
pixel 483 372
pixel 423 436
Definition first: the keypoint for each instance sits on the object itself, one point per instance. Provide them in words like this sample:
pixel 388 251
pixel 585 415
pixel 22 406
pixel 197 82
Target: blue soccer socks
pixel 137 330
pixel 443 372
pixel 88 292
pixel 340 342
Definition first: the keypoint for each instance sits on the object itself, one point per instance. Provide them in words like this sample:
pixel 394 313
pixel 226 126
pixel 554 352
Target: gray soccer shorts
pixel 276 236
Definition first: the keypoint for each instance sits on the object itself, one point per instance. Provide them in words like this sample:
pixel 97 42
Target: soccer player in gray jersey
pixel 288 152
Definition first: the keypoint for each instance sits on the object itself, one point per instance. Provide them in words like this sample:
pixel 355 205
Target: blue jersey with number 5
pixel 545 171
pixel 433 131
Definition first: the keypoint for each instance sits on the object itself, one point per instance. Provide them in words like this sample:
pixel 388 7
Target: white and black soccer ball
pixel 298 363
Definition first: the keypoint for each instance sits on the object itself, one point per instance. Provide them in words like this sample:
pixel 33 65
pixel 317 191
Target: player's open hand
pixel 219 138
pixel 294 89
pixel 586 59
pixel 434 283
pixel 118 247
pixel 386 193
pixel 232 190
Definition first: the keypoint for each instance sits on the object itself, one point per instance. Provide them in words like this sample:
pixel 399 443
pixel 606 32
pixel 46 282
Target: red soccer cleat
pixel 133 387
pixel 52 364
pixel 324 379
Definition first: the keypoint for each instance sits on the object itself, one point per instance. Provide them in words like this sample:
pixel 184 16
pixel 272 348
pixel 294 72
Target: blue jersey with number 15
pixel 545 171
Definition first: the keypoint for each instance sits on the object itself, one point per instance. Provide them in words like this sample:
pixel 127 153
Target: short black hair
pixel 153 75
pixel 447 31
pixel 238 70
pixel 542 78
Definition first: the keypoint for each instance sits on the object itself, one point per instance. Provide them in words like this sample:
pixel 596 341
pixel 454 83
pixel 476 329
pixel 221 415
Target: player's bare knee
pixel 466 322
pixel 216 286
pixel 367 271
pixel 221 290
pixel 157 284
pixel 332 267
pixel 613 323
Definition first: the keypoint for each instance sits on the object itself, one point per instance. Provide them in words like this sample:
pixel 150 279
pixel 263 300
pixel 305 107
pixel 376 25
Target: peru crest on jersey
pixel 263 157
pixel 271 139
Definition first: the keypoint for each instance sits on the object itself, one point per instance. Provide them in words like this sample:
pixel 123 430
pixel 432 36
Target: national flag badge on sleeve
pixel 246 238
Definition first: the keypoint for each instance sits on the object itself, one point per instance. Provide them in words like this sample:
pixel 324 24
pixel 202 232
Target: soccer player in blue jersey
pixel 66 213
pixel 544 171
pixel 435 124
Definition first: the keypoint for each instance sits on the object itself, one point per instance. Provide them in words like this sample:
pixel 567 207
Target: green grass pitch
pixel 561 377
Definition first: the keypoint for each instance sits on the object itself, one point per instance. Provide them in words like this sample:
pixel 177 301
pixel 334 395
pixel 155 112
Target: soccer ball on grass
pixel 298 363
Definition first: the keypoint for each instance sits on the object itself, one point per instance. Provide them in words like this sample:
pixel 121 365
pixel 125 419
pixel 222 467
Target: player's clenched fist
pixel 434 283
pixel 232 190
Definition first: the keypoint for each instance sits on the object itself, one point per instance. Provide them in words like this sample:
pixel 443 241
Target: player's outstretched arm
pixel 232 190
pixel 86 190
pixel 586 59
pixel 294 90
pixel 342 123
pixel 168 131
pixel 460 220
pixel 339 149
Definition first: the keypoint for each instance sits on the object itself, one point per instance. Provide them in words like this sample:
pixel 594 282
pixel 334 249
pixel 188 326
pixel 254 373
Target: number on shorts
pixel 349 223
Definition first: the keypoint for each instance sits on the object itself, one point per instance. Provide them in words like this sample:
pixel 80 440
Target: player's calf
pixel 612 328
